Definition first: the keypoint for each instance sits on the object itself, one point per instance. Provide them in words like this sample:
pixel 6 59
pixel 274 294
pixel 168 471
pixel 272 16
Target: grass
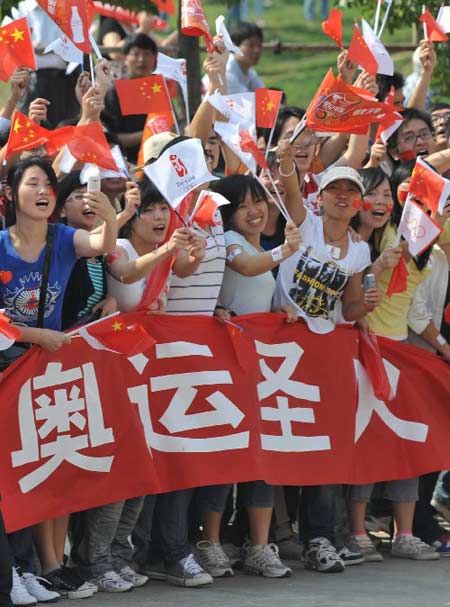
pixel 298 73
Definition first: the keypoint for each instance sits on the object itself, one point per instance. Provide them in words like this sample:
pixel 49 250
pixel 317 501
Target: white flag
pixel 221 30
pixel 239 108
pixel 181 169
pixel 230 134
pixel 417 228
pixel 174 69
pixel 385 63
pixel 65 48
pixel 443 18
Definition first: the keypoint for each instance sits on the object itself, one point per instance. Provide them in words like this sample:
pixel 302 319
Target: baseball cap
pixel 155 143
pixel 338 173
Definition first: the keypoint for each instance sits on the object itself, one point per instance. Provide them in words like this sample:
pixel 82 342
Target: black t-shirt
pixel 116 123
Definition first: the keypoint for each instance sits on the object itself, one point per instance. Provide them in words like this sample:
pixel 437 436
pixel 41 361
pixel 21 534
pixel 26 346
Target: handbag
pixel 11 354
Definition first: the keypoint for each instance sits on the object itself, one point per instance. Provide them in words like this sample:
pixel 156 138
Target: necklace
pixel 335 239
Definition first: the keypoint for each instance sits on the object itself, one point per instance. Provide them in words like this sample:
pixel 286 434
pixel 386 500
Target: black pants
pixel 317 512
pixel 425 525
pixel 5 568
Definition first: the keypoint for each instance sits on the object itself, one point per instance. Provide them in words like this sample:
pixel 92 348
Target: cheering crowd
pixel 314 236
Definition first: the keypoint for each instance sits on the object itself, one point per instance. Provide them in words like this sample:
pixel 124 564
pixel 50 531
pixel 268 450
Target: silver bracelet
pixel 287 174
pixel 441 340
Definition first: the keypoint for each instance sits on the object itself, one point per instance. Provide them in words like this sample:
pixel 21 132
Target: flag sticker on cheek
pixel 357 202
pixel 367 206
pixel 112 257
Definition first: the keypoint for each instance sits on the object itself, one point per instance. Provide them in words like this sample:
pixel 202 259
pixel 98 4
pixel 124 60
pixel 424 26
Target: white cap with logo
pixel 338 173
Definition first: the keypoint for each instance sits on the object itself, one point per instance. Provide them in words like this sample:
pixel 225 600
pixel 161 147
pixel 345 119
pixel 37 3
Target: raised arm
pixel 427 56
pixel 91 245
pixel 292 195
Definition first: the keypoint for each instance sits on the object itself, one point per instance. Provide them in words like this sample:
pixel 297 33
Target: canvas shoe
pixel 129 575
pixel 19 594
pixel 187 572
pixel 263 559
pixel 410 547
pixel 213 559
pixel 351 554
pixel 36 586
pixel 442 545
pixel 112 582
pixel 65 582
pixel 367 548
pixel 320 555
pixel 155 571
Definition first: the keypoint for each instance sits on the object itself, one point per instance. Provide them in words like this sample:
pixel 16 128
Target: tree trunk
pixel 189 48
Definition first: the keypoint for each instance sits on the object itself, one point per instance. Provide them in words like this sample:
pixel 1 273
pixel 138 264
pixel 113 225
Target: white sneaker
pixel 264 560
pixel 410 547
pixel 37 589
pixel 19 594
pixel 213 559
pixel 129 575
pixel 112 582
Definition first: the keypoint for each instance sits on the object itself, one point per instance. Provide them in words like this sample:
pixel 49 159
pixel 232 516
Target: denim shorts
pixel 404 490
pixel 255 494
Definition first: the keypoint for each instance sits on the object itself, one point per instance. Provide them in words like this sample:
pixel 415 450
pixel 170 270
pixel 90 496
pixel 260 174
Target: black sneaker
pixel 68 584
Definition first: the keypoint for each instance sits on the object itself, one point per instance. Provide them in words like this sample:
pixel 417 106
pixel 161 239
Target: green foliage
pixel 407 12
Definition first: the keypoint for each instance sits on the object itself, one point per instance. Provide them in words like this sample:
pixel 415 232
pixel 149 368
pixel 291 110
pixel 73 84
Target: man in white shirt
pixel 241 77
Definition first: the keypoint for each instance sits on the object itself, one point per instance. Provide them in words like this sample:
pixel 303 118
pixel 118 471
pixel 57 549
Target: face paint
pixel 52 192
pixel 112 257
pixel 407 155
pixel 367 206
pixel 357 202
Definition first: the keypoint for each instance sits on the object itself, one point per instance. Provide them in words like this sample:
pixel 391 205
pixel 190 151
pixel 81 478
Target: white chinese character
pixel 368 404
pixel 177 418
pixel 280 381
pixel 64 410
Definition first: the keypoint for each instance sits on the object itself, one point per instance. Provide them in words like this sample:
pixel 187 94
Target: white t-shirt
pixel 198 293
pixel 312 281
pixel 246 294
pixel 128 296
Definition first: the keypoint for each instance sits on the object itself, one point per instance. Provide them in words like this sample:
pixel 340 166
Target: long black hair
pixel 149 195
pixel 235 188
pixel 15 177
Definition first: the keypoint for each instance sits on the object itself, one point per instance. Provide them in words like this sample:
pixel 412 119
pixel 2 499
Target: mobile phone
pixel 369 282
pixel 94 183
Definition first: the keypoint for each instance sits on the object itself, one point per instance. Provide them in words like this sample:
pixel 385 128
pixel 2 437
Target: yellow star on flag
pixel 117 326
pixel 17 126
pixel 18 35
pixel 270 106
pixel 156 88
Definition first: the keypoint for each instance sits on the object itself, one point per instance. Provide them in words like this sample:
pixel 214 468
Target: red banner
pixel 212 403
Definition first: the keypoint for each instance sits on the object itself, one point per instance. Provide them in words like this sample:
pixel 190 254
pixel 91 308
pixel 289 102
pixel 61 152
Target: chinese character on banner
pixel 368 404
pixel 60 416
pixel 210 411
pixel 278 408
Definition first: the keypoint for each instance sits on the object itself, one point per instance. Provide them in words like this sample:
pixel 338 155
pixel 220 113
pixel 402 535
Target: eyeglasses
pixel 411 139
pixel 305 143
pixel 437 118
pixel 75 196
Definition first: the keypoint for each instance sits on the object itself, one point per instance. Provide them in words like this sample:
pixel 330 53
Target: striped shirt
pixel 198 293
pixel 95 270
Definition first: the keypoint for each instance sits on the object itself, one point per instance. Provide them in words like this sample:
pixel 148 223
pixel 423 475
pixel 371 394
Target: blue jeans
pixel 309 9
pixel 442 489
pixel 166 537
pixel 317 512
pixel 21 550
pixel 5 568
pixel 101 538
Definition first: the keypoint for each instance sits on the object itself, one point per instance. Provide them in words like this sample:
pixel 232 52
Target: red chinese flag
pixel 399 279
pixel 88 144
pixel 8 332
pixel 332 27
pixel 194 23
pixel 115 12
pixel 360 53
pixel 338 107
pixel 429 187
pixel 370 356
pixel 73 17
pixel 165 6
pixel 248 144
pixel 16 48
pixel 143 95
pixel 267 105
pixel 434 32
pixel 25 134
pixel 113 334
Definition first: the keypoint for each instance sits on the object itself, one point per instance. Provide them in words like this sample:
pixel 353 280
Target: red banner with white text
pixel 212 403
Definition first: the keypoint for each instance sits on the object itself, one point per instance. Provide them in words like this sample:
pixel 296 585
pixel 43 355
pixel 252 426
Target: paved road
pixel 393 583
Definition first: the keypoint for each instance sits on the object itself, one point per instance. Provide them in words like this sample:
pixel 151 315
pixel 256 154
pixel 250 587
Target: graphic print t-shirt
pixel 20 280
pixel 312 281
